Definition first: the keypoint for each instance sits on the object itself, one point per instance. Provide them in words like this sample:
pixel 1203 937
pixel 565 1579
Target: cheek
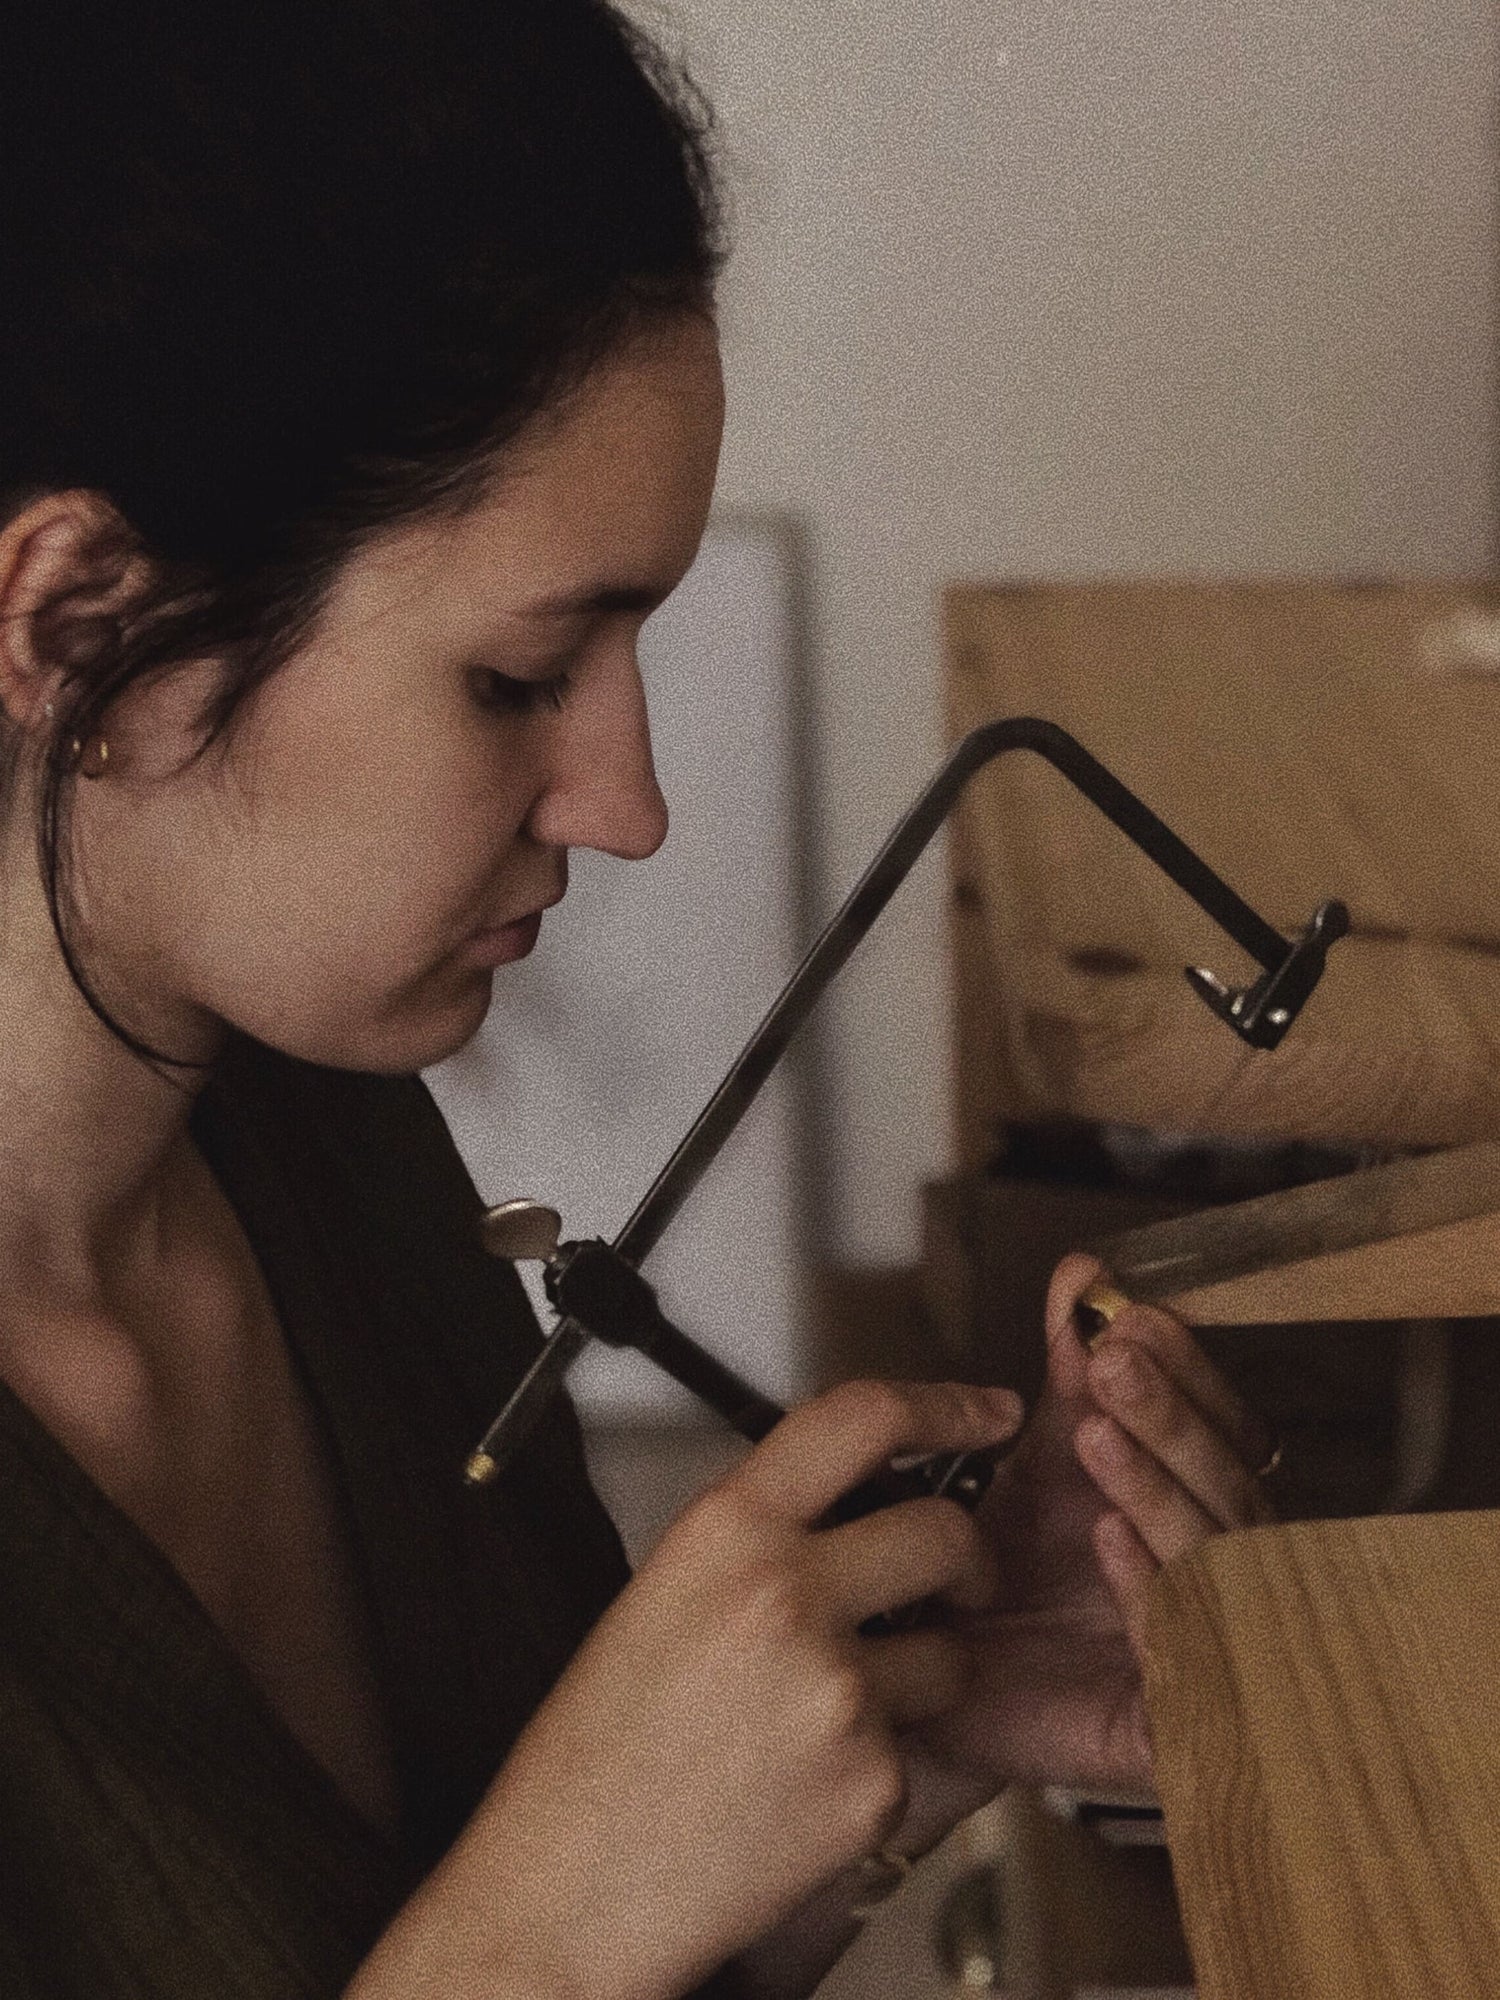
pixel 397 814
pixel 316 887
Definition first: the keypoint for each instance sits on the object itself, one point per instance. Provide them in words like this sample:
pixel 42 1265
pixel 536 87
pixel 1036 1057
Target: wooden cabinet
pixel 1309 740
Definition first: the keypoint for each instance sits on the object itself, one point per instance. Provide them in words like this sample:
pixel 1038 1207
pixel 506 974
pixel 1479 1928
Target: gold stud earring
pixel 88 759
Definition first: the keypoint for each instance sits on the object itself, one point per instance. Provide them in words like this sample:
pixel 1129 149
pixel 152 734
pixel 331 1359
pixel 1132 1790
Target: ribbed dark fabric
pixel 163 1834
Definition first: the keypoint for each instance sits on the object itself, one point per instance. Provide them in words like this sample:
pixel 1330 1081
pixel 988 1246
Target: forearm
pixel 791 1960
pixel 445 1944
pixel 440 1947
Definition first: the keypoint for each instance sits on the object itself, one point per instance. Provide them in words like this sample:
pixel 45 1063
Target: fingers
pixel 916 1676
pixel 1167 1518
pixel 1129 1569
pixel 1148 1372
pixel 921 1548
pixel 1176 1352
pixel 822 1448
pixel 1129 1383
pixel 1066 1353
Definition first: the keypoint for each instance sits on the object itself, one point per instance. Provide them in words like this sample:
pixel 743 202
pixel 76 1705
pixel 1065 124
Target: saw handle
pixel 593 1284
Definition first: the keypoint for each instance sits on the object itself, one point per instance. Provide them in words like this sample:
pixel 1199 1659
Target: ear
pixel 69 566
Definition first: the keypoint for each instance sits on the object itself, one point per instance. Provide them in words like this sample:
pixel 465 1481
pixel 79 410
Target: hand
pixel 1135 1453
pixel 724 1741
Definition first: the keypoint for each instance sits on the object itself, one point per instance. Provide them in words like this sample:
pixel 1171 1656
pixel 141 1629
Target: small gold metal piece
pixel 1101 1303
pixel 480 1469
pixel 89 759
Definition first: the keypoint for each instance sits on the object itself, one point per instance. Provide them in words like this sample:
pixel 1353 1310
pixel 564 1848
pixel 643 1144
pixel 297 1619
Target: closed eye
pixel 505 694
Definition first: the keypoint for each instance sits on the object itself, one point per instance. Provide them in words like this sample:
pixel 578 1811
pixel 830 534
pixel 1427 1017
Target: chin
pixel 398 1045
pixel 406 1047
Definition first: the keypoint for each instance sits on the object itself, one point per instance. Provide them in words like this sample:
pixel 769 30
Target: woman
pixel 361 398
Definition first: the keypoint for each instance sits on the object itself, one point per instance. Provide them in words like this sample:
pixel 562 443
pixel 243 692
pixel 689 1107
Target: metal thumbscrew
pixel 523 1232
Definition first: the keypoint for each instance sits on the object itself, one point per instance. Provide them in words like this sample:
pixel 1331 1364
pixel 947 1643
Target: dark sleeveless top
pixel 163 1834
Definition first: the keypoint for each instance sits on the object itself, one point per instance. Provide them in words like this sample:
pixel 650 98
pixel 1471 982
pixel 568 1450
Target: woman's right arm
pixel 723 1742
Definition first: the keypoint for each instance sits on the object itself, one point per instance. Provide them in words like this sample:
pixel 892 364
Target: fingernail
pixel 1004 1404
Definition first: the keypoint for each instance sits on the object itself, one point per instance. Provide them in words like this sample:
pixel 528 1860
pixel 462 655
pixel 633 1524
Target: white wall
pixel 1073 287
pixel 602 1048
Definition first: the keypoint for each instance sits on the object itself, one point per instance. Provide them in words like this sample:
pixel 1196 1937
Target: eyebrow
pixel 605 598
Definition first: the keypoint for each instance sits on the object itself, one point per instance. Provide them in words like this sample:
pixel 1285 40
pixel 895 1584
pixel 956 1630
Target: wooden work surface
pixel 1309 740
pixel 1326 1713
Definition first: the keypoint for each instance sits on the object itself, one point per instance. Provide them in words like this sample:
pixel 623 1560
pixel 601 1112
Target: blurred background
pixel 1079 288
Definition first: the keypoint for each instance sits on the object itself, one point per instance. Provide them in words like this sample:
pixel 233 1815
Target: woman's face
pixel 467 708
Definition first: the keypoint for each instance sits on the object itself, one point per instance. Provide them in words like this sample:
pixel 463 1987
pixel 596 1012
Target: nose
pixel 601 789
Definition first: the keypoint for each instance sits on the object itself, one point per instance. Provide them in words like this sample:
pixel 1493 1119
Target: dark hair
pixel 275 276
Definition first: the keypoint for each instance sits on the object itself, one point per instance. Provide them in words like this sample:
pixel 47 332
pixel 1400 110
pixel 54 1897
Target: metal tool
pixel 597 1287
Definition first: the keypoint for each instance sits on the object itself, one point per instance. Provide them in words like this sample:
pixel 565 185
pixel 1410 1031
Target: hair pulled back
pixel 275 277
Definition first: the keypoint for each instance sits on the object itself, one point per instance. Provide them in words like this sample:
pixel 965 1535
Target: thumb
pixel 1067 1350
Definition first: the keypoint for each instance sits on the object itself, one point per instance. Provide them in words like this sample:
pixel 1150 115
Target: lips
pixel 499 944
pixel 527 917
pixel 516 939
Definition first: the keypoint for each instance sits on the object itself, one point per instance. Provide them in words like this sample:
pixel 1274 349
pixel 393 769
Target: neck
pixel 96 1158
